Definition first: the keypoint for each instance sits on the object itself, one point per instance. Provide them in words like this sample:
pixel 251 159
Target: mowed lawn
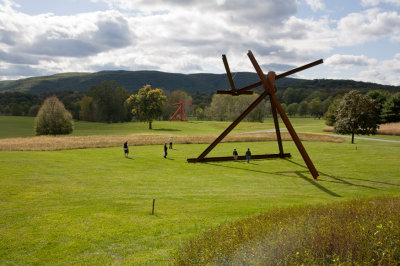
pixel 20 126
pixel 93 206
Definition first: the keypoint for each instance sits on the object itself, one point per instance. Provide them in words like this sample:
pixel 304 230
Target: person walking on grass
pixel 170 143
pixel 248 155
pixel 165 150
pixel 126 149
pixel 235 154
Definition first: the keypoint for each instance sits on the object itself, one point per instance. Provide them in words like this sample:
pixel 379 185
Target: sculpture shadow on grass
pixel 301 174
pixel 337 179
pixel 166 129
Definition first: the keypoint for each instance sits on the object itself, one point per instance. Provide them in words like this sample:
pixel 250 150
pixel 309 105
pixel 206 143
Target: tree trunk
pixel 150 124
pixel 352 138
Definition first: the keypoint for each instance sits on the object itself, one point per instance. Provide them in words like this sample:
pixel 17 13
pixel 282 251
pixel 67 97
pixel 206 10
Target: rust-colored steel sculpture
pixel 179 115
pixel 268 83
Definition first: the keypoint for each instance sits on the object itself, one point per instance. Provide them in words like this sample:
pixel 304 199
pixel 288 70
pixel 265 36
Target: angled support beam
pixel 228 73
pixel 276 123
pixel 269 86
pixel 231 127
pixel 233 90
pixel 293 71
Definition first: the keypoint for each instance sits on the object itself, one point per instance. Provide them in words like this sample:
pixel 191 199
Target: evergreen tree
pixel 53 118
pixel 391 109
pixel 380 97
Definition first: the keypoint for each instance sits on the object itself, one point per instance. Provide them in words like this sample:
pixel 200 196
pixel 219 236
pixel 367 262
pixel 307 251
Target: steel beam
pixel 269 86
pixel 240 158
pixel 232 126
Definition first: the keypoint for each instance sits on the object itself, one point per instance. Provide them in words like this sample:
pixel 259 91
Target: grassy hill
pixel 192 83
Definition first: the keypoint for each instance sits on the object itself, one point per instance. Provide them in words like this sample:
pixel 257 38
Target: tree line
pixel 109 102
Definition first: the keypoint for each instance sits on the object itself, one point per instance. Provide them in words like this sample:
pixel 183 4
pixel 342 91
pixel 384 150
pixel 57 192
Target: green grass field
pixel 19 126
pixel 93 206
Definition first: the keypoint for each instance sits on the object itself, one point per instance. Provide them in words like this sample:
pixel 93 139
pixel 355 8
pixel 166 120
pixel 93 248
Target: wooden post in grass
pixel 154 201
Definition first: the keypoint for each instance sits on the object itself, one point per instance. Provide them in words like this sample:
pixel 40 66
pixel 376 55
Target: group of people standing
pixel 236 155
pixel 126 148
pixel 166 148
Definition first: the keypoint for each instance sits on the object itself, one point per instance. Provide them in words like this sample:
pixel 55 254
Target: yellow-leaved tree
pixel 147 104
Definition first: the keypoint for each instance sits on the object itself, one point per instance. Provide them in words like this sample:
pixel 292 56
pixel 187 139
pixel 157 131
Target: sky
pixel 357 39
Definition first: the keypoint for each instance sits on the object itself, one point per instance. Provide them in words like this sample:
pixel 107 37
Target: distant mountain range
pixel 191 83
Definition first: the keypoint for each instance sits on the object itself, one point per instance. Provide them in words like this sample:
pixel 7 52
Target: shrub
pixel 53 118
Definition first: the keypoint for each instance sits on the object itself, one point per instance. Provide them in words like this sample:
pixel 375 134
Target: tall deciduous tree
pixel 292 109
pixel 228 108
pixel 303 108
pixel 315 108
pixel 53 118
pixel 357 114
pixel 147 104
pixel 87 109
pixel 331 115
pixel 108 102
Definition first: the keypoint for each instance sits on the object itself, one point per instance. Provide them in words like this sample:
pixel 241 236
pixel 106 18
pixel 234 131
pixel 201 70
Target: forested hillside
pixel 85 95
pixel 191 83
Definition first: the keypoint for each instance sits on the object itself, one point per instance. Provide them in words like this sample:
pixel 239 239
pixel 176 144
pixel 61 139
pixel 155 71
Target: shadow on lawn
pixel 341 179
pixel 285 173
pixel 316 184
pixel 166 129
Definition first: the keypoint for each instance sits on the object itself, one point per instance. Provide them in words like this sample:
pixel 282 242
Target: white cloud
pixel 338 60
pixel 376 76
pixel 377 2
pixel 369 25
pixel 384 72
pixel 392 65
pixel 46 35
pixel 316 5
pixel 188 36
pixel 233 11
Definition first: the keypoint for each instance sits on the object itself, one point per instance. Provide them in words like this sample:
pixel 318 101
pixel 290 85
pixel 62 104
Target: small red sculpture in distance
pixel 179 114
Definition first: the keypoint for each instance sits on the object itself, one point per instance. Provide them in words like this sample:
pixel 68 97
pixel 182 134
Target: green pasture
pixel 93 206
pixel 19 126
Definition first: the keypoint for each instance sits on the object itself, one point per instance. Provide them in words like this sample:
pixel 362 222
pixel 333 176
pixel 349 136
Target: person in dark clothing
pixel 248 155
pixel 126 149
pixel 235 154
pixel 165 150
